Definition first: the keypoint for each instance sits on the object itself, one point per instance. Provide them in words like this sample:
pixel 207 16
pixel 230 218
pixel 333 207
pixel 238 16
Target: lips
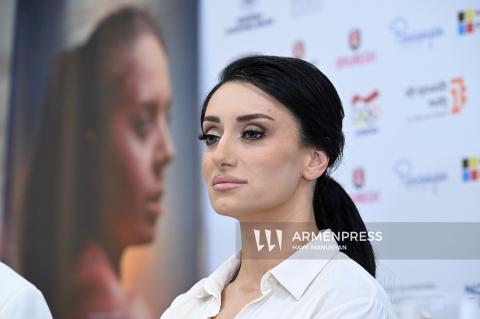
pixel 153 206
pixel 155 196
pixel 226 182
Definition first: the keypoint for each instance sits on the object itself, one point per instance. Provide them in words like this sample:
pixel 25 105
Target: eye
pixel 253 135
pixel 209 139
pixel 142 126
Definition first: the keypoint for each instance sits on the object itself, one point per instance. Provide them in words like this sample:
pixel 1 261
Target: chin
pixel 144 239
pixel 234 211
pixel 142 242
pixel 224 213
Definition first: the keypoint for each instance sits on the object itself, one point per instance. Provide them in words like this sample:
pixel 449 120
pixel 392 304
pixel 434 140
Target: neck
pixel 94 250
pixel 112 250
pixel 288 220
pixel 114 254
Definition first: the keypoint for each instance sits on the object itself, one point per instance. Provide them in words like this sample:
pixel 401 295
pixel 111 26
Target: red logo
pixel 359 58
pixel 366 112
pixel 354 39
pixel 298 50
pixel 362 195
pixel 365 100
pixel 358 177
pixel 458 91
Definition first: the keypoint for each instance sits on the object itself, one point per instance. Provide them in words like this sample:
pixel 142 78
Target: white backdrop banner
pixel 408 74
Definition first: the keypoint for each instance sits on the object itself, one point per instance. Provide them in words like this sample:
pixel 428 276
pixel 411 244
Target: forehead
pixel 145 74
pixel 238 98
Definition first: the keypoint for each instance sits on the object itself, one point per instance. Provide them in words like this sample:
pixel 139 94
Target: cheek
pixel 128 165
pixel 208 167
pixel 275 174
pixel 204 166
pixel 207 172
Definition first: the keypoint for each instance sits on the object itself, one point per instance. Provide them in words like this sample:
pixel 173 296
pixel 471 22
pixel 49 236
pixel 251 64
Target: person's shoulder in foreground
pixel 19 299
pixel 318 289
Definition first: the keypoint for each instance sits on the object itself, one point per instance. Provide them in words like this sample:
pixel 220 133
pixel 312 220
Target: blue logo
pixel 406 36
pixel 407 175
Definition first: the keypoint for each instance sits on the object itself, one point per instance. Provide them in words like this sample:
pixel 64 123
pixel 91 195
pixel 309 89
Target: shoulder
pixel 94 274
pixel 187 301
pixel 349 287
pixel 18 297
pixel 99 293
pixel 346 273
pixel 96 286
pixel 12 283
pixel 359 308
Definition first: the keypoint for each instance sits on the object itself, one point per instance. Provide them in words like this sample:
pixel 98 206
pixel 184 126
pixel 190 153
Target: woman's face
pixel 254 139
pixel 138 143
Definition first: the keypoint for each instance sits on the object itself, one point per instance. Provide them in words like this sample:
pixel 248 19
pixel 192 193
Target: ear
pixel 315 165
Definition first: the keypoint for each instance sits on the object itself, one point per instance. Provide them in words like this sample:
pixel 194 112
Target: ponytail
pixel 334 209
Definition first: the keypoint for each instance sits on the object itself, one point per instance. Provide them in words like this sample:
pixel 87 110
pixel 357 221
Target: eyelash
pixel 206 137
pixel 142 126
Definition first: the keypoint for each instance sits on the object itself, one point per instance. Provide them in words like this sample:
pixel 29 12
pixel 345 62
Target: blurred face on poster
pixel 97 176
pixel 138 144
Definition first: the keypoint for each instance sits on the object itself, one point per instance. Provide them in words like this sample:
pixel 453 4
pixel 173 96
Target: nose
pixel 223 154
pixel 164 151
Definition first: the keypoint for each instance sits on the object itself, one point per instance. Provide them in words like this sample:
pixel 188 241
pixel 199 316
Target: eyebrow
pixel 241 118
pixel 156 104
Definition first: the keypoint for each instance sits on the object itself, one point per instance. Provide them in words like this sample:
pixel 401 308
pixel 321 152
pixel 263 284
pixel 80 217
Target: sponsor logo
pixel 410 178
pixel 437 99
pixel 408 37
pixel 361 195
pixel 298 49
pixel 358 58
pixel 354 39
pixel 458 94
pixel 366 113
pixel 358 177
pixel 468 21
pixel 251 18
pixel 470 169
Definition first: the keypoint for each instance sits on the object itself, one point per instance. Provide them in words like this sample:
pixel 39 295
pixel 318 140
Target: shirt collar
pixel 294 273
pixel 299 270
pixel 214 284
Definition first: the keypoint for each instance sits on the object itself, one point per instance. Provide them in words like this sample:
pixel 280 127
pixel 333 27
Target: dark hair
pixel 313 100
pixel 63 195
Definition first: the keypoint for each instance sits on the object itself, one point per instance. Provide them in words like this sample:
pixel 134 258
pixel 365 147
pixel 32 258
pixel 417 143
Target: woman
pixel 273 130
pixel 97 175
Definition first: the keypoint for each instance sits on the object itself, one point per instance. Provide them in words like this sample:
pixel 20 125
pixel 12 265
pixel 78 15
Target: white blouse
pixel 19 299
pixel 332 286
